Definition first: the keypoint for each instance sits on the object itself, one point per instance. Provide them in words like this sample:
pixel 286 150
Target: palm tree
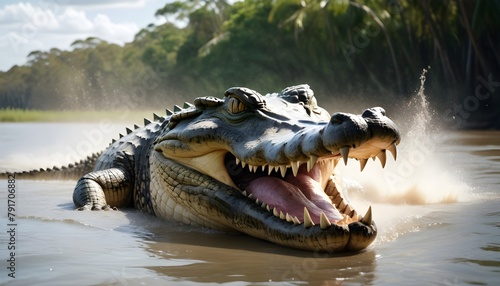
pixel 315 8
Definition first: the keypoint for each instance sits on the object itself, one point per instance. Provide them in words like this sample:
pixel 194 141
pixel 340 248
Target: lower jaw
pixel 353 237
pixel 244 216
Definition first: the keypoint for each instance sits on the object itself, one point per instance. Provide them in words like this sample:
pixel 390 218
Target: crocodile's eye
pixel 234 105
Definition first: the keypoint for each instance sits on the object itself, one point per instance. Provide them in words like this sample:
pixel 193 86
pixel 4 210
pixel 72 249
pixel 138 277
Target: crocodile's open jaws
pixel 269 162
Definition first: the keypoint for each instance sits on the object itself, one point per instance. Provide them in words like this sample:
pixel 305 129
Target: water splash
pixel 419 105
pixel 421 174
pixel 417 184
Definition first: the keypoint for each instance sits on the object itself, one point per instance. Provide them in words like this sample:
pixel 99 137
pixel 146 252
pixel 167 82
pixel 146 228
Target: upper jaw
pixel 345 136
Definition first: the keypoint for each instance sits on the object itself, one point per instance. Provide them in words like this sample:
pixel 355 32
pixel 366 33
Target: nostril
pixel 367 113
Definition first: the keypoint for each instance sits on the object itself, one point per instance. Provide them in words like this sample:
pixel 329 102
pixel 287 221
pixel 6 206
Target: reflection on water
pixel 220 258
pixel 438 221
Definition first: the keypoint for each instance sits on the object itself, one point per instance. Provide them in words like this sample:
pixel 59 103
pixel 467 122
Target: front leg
pixel 99 189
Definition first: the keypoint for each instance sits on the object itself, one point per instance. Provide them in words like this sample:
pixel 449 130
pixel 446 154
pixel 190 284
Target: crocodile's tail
pixel 70 172
pixel 76 170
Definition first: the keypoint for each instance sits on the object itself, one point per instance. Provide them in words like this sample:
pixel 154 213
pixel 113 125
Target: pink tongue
pixel 292 195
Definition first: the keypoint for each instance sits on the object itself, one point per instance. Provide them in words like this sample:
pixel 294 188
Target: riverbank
pixel 25 115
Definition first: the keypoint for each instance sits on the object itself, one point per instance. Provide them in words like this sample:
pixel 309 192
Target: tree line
pixel 345 49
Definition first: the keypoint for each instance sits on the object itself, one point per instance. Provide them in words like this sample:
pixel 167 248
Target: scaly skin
pixel 261 165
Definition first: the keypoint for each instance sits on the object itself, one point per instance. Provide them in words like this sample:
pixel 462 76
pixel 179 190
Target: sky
pixel 27 26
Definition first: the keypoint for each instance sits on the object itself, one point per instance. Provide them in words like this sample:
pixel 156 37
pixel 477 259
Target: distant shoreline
pixel 28 115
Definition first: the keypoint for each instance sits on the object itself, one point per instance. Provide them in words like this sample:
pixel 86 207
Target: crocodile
pixel 257 164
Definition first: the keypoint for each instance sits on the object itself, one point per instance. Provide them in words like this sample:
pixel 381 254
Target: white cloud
pixel 25 27
pixel 100 3
pixel 31 20
pixel 73 21
pixel 110 30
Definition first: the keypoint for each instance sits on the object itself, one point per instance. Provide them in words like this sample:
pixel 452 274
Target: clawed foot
pixel 97 208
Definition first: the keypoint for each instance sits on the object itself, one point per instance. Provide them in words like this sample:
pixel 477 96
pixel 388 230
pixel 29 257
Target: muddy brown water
pixel 437 209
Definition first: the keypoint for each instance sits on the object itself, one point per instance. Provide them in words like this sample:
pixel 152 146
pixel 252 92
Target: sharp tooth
pixel 237 161
pixel 308 223
pixel 268 208
pixel 283 170
pixel 312 161
pixel 263 205
pixel 270 170
pixel 275 212
pixel 367 218
pixel 264 168
pixel 362 163
pixel 393 150
pixel 354 214
pixel 276 168
pixel 296 220
pixel 344 151
pixel 243 164
pixel 244 193
pixel 257 201
pixel 282 216
pixel 381 156
pixel 250 196
pixel 295 168
pixel 288 218
pixel 324 223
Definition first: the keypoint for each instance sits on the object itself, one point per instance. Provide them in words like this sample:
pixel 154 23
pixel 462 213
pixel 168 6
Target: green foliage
pixel 346 49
